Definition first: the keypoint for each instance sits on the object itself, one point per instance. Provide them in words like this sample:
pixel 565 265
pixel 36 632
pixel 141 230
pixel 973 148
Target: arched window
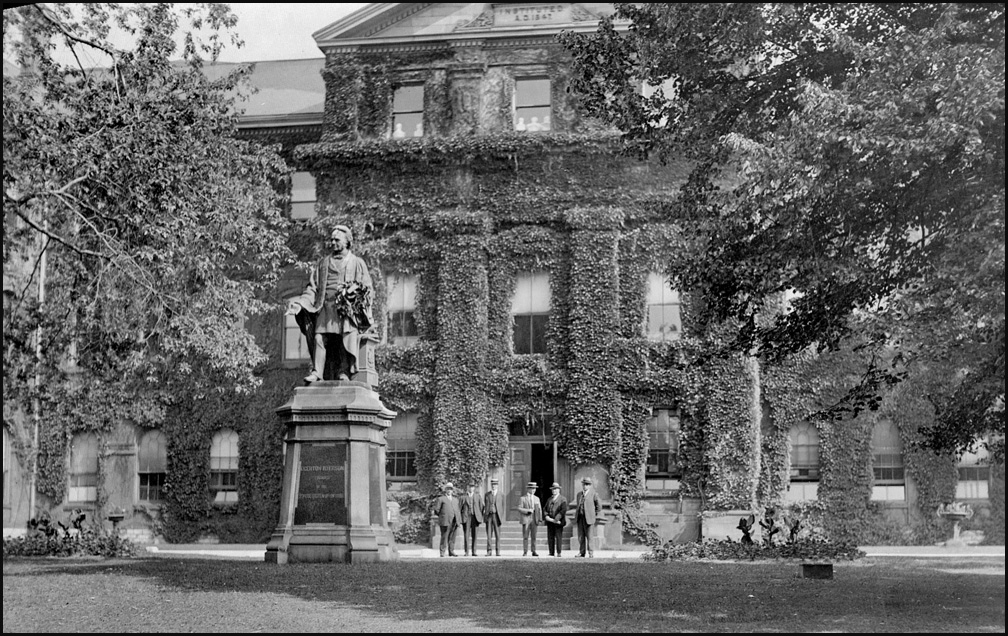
pixel 664 318
pixel 804 452
pixel 530 312
pixel 224 466
pixel 152 465
pixel 83 468
pixel 887 463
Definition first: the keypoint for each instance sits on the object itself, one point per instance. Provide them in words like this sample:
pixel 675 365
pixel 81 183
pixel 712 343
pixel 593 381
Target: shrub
pixel 45 539
pixel 804 549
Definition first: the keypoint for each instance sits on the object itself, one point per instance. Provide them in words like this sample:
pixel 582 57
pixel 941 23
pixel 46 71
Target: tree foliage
pixel 847 156
pixel 160 230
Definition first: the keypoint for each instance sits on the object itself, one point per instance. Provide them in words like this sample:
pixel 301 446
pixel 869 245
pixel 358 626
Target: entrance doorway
pixel 529 461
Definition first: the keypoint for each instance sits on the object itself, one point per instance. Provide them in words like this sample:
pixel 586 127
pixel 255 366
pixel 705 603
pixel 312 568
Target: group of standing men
pixel 470 510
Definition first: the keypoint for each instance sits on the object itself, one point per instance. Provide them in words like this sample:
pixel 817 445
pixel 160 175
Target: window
pixel 295 344
pixel 407 111
pixel 83 468
pixel 152 465
pixel 887 463
pixel 532 105
pixel 224 466
pixel 401 301
pixel 663 444
pixel 974 474
pixel 804 452
pixel 400 455
pixel 302 195
pixel 530 307
pixel 664 322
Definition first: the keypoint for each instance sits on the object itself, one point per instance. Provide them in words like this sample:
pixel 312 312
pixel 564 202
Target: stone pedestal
pixel 333 503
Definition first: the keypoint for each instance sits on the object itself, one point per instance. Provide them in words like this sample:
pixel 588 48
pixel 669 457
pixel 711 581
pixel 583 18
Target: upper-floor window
pixel 887 462
pixel 401 303
pixel 804 452
pixel 533 110
pixel 302 195
pixel 224 466
pixel 530 310
pixel 83 468
pixel 400 455
pixel 664 319
pixel 295 346
pixel 974 474
pixel 152 465
pixel 663 444
pixel 407 111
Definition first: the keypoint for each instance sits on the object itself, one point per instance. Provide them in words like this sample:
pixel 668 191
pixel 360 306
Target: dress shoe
pixel 524 553
pixel 579 555
pixel 343 378
pixel 535 554
pixel 312 377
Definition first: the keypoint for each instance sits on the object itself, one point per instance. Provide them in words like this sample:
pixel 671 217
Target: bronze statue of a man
pixel 335 308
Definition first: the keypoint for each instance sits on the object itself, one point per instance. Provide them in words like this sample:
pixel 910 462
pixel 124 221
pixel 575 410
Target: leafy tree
pixel 848 155
pixel 139 232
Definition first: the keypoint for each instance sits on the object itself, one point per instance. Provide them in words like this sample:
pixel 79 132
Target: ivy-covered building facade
pixel 527 329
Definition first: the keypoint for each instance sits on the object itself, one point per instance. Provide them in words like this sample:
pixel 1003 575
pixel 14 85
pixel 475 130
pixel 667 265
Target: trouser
pixel 469 535
pixel 448 538
pixel 493 529
pixel 554 538
pixel 529 532
pixel 584 535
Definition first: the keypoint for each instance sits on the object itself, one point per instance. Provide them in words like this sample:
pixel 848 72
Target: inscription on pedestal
pixel 322 485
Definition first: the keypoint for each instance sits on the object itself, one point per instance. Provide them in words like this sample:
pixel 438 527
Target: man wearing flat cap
pixel 449 518
pixel 589 508
pixel 494 513
pixel 531 516
pixel 556 518
pixel 335 308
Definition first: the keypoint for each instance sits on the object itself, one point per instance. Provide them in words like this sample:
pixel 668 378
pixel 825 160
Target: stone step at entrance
pixel 510 538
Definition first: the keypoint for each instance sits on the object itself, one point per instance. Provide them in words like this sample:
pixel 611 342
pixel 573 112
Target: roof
pixel 291 89
pixel 411 24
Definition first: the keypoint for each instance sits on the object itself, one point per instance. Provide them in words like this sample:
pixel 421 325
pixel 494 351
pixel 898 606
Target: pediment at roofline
pixel 399 23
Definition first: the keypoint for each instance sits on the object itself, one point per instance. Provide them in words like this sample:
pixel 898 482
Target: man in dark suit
pixel 449 517
pixel 589 508
pixel 556 519
pixel 531 516
pixel 472 516
pixel 494 514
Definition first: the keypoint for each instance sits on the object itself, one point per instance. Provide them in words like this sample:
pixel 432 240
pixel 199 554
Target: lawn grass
pixel 438 595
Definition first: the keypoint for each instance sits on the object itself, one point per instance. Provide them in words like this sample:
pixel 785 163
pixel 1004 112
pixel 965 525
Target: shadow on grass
pixel 589 596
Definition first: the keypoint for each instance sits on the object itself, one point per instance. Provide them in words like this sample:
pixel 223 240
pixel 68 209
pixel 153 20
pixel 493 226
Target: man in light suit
pixel 494 514
pixel 589 508
pixel 449 517
pixel 531 516
pixel 472 516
